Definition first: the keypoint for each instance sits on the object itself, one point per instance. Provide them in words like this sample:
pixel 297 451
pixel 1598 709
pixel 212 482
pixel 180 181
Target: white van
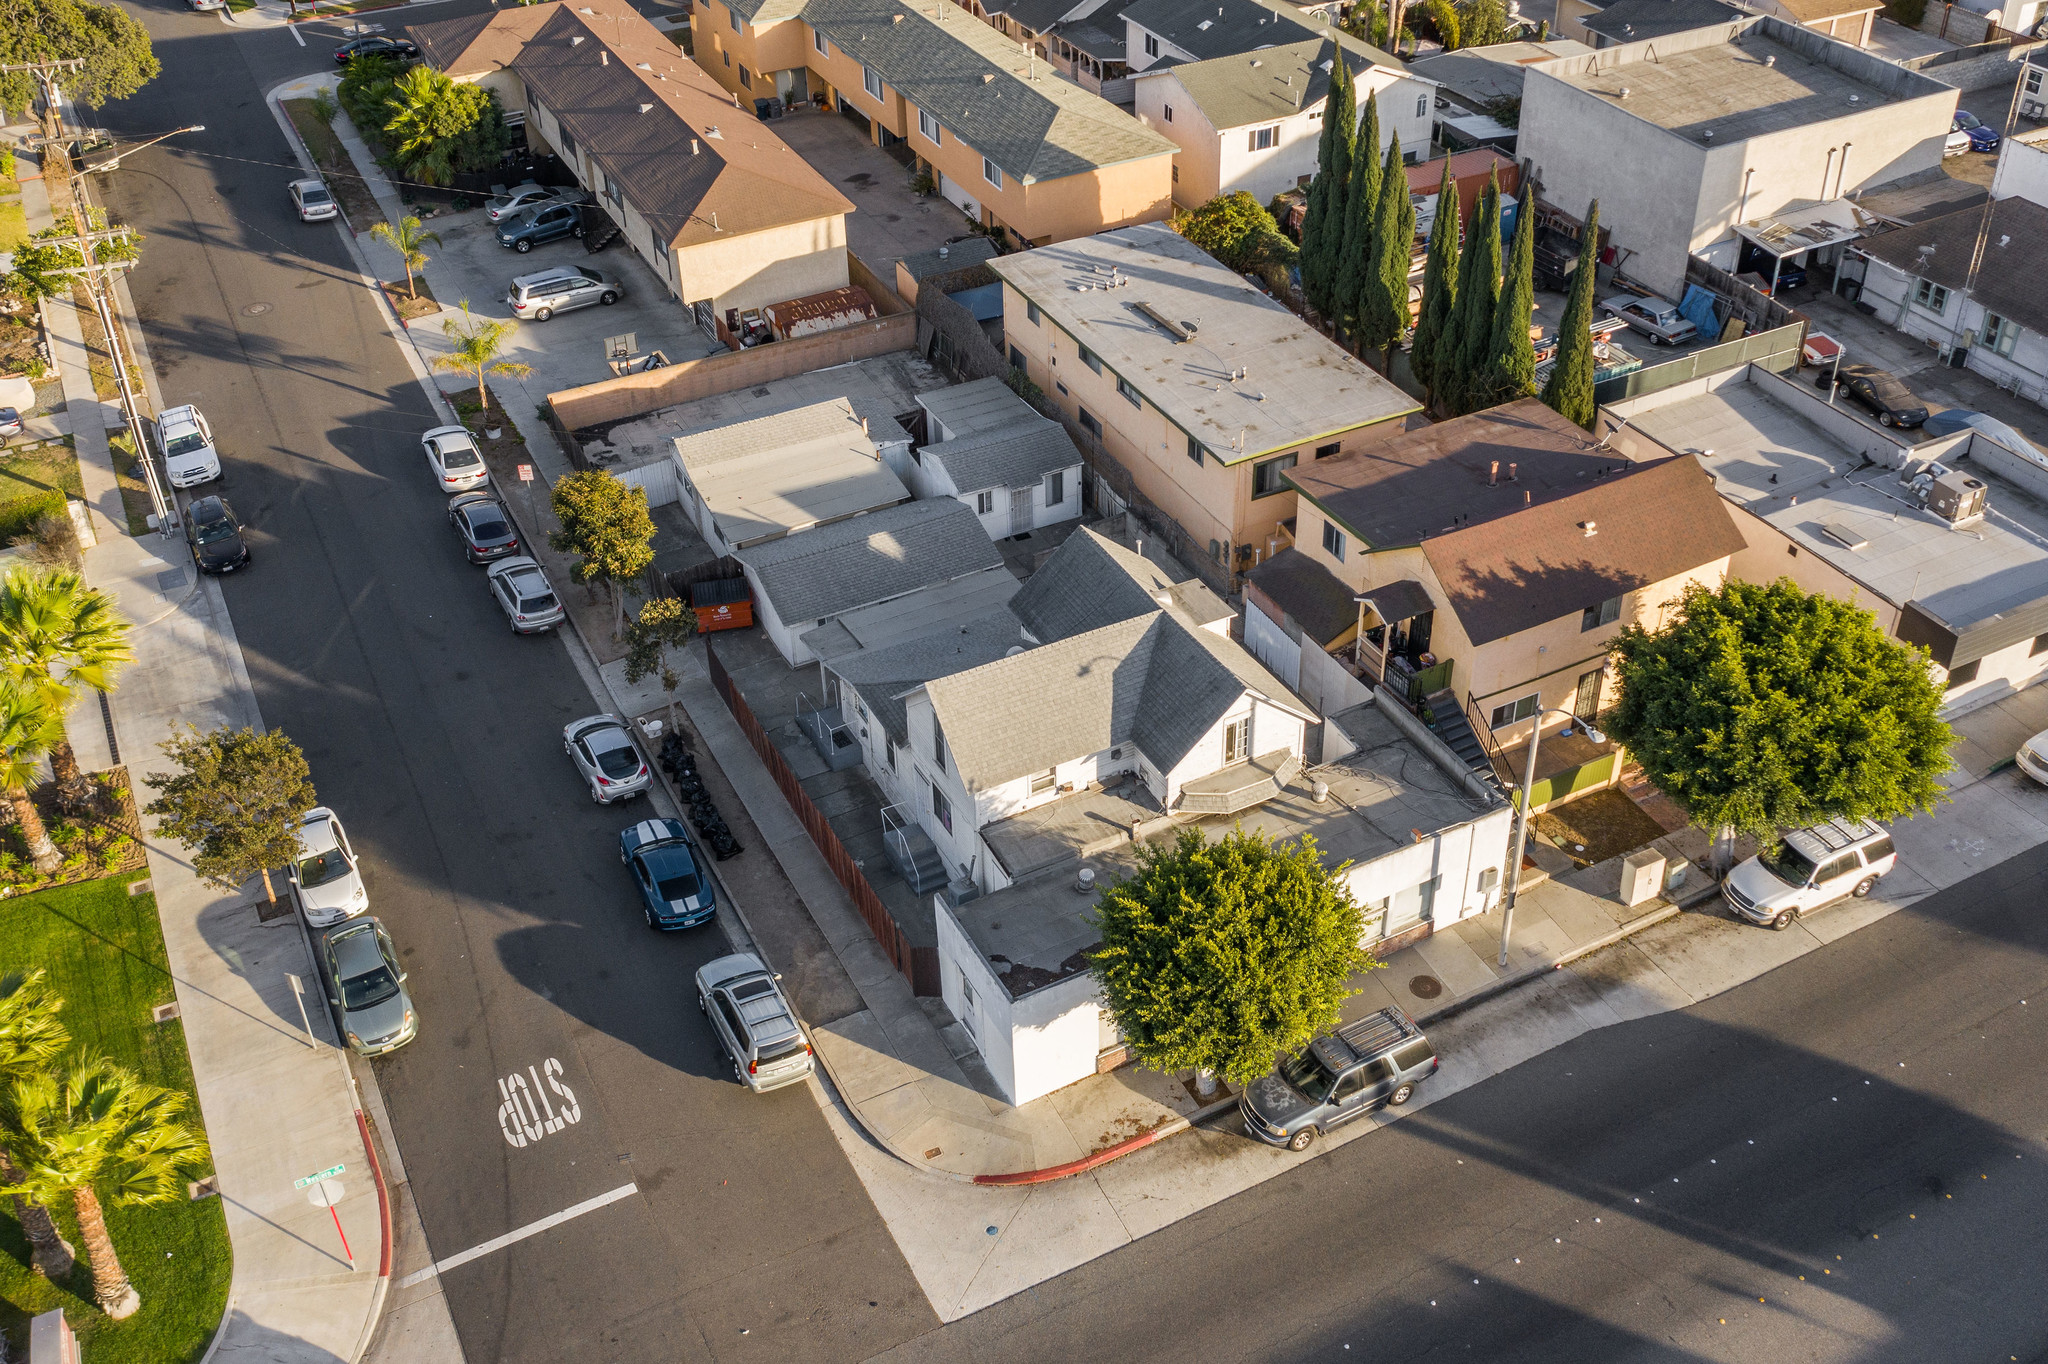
pixel 1808 869
pixel 189 456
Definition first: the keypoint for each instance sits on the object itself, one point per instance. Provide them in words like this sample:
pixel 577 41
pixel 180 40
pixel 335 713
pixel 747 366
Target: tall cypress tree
pixel 1383 309
pixel 1511 362
pixel 1361 207
pixel 1462 355
pixel 1439 286
pixel 1569 389
pixel 1322 227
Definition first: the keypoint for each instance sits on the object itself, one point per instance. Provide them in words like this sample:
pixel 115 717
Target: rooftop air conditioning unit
pixel 1956 498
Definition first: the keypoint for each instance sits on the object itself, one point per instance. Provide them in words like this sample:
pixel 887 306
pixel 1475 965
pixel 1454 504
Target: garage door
pixel 950 191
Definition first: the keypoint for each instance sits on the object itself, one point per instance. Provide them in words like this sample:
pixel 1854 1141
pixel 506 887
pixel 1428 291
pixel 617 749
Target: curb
pixel 1171 1128
pixel 1586 949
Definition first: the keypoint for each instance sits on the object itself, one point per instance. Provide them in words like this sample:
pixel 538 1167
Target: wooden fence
pixel 919 965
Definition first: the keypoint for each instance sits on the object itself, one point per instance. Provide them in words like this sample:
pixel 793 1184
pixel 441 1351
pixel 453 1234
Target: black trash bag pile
pixel 681 765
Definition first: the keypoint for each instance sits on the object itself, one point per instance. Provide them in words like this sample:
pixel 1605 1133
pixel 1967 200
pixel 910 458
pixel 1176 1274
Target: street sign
pixel 526 473
pixel 325 1194
pixel 619 347
pixel 315 1179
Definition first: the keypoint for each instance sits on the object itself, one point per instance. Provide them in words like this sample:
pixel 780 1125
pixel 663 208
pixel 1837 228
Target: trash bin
pixel 1675 873
pixel 761 108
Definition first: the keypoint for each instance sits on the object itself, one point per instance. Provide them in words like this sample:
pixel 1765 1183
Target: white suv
pixel 189 456
pixel 1808 869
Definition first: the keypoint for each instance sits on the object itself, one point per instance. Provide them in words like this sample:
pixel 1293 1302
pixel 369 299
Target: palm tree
pixel 29 727
pixel 31 1037
pixel 58 634
pixel 409 239
pixel 425 115
pixel 99 1126
pixel 477 342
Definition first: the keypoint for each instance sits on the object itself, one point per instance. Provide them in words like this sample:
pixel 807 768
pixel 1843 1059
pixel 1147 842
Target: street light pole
pixel 1521 838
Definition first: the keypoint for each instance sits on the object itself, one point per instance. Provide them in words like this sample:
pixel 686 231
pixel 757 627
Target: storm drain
pixel 1425 987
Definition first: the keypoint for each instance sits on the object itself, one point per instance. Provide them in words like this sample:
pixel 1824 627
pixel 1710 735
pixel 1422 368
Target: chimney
pixel 1493 474
pixel 1512 476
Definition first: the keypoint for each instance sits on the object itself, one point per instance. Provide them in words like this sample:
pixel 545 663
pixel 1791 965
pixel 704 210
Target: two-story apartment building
pixel 1007 140
pixel 1205 391
pixel 720 208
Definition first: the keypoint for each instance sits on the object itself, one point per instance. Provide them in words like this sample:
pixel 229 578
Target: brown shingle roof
pixel 1807 11
pixel 635 104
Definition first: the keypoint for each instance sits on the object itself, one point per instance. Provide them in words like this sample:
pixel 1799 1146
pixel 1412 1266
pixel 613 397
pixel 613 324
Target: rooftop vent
pixel 1771 60
pixel 1843 535
pixel 1626 92
pixel 1084 881
pixel 1179 331
pixel 575 41
pixel 1592 528
pixel 987 76
pixel 642 66
pixel 713 133
pixel 1204 25
pixel 604 58
pixel 693 146
pixel 646 108
pixel 1707 134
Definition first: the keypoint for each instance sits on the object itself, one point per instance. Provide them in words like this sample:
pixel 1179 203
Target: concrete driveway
pixel 888 222
pixel 566 350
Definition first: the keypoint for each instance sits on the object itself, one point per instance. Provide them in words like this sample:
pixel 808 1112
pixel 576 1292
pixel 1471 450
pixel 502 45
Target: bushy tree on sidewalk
pixel 663 624
pixel 604 522
pixel 475 343
pixel 1764 707
pixel 1222 957
pixel 1569 390
pixel 235 800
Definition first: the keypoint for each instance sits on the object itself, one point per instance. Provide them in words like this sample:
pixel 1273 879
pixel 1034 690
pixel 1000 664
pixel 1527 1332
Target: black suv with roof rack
pixel 1372 1063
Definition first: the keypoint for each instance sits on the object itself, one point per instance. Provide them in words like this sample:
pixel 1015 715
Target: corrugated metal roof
pixel 777 474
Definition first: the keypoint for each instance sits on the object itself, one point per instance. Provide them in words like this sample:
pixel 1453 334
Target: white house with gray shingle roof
pixel 1017 470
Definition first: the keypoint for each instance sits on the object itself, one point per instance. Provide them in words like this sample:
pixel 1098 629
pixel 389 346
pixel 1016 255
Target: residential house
pixel 986 446
pixel 874 579
pixel 720 208
pixel 1201 389
pixel 1479 89
pixel 1945 541
pixel 1598 24
pixel 1010 143
pixel 1685 138
pixel 1847 21
pixel 1492 559
pixel 750 482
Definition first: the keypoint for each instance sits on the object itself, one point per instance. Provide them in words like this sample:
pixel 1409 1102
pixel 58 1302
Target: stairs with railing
pixel 912 852
pixel 1448 719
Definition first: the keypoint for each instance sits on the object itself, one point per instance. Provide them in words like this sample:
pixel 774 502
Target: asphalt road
pixel 435 732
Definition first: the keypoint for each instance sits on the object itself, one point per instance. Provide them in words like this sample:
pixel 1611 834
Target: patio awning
pixel 1398 601
pixel 1803 229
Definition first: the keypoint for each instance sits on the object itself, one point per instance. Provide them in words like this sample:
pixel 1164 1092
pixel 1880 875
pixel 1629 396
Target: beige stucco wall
pixel 754 269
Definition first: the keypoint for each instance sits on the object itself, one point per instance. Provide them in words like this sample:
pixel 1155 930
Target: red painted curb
pixel 383 1196
pixel 1087 1163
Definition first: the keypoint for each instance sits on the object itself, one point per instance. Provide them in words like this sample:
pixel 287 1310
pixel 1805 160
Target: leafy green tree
pixel 29 727
pixel 32 1036
pixel 1443 17
pixel 1462 354
pixel 605 523
pixel 1482 23
pixel 95 1127
pixel 58 634
pixel 1361 206
pixel 1238 231
pixel 235 800
pixel 410 240
pixel 1764 707
pixel 475 344
pixel 1439 286
pixel 1569 390
pixel 114 45
pixel 663 624
pixel 1322 225
pixel 1383 311
pixel 436 126
pixel 1224 956
pixel 1511 359
pixel 366 89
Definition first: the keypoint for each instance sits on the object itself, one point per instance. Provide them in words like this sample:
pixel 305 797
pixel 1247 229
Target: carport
pixel 1824 227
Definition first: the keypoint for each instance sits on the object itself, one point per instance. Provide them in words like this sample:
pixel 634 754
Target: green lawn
pixel 104 951
pixel 34 482
pixel 13 223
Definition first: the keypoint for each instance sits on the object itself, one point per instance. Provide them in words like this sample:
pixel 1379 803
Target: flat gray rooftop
pixel 1298 385
pixel 1077 826
pixel 1040 930
pixel 781 473
pixel 1909 554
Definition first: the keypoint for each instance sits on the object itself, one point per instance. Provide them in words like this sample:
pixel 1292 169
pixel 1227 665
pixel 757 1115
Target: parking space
pixel 889 220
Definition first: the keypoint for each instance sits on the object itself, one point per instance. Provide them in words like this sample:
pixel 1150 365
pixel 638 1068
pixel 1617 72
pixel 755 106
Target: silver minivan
pixel 539 296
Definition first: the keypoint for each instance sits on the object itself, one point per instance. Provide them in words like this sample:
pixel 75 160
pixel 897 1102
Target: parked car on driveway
pixel 1653 317
pixel 753 1022
pixel 453 458
pixel 1882 392
pixel 521 588
pixel 396 48
pixel 1808 870
pixel 10 421
pixel 522 197
pixel 487 532
pixel 215 534
pixel 533 226
pixel 314 203
pixel 604 752
pixel 325 878
pixel 1372 1063
pixel 1983 137
pixel 674 890
pixel 189 456
pixel 544 293
pixel 367 988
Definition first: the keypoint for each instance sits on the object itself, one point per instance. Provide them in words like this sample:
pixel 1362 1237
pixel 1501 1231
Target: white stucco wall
pixel 1267 641
pixel 2022 171
pixel 1034 1045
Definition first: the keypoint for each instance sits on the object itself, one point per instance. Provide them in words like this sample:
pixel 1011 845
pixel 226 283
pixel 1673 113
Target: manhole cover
pixel 256 310
pixel 1425 987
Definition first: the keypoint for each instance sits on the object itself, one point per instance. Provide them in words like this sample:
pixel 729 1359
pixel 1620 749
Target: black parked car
pixel 1882 392
pixel 215 535
pixel 486 531
pixel 398 49
pixel 1372 1063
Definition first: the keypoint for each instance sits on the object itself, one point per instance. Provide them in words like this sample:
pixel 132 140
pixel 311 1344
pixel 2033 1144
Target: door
pixel 1834 879
pixel 1020 510
pixel 1237 738
pixel 1586 705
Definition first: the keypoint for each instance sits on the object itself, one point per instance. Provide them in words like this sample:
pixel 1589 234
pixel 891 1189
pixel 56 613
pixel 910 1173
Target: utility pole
pixel 46 76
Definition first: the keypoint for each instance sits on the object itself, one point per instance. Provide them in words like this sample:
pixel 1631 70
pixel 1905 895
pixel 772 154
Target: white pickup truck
pixel 189 456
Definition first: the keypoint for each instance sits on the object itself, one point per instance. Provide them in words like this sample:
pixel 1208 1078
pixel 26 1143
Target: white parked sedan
pixel 325 876
pixel 314 203
pixel 453 457
pixel 604 752
pixel 2033 757
pixel 522 197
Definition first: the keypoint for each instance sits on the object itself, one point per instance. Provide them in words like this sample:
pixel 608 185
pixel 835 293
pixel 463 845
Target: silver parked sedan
pixel 521 588
pixel 367 988
pixel 754 1022
pixel 604 752
pixel 1653 317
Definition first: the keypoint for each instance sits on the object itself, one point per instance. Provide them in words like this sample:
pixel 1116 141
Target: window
pixel 2034 74
pixel 1262 139
pixel 727 56
pixel 568 143
pixel 929 126
pixel 1016 359
pixel 1089 423
pixel 818 41
pixel 1194 450
pixel 871 82
pixel 1031 313
pixel 1151 45
pixel 1176 173
pixel 1130 394
pixel 2040 646
pixel 1513 711
pixel 984 503
pixel 1042 782
pixel 1333 541
pixel 1266 475
pixel 990 173
pixel 1606 613
pixel 1091 359
pixel 1167 110
pixel 1964 675
pixel 938 746
pixel 1931 296
pixel 746 78
pixel 942 810
pixel 889 749
pixel 1422 106
pixel 2001 334
pixel 1237 740
pixel 1333 448
pixel 1055 487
